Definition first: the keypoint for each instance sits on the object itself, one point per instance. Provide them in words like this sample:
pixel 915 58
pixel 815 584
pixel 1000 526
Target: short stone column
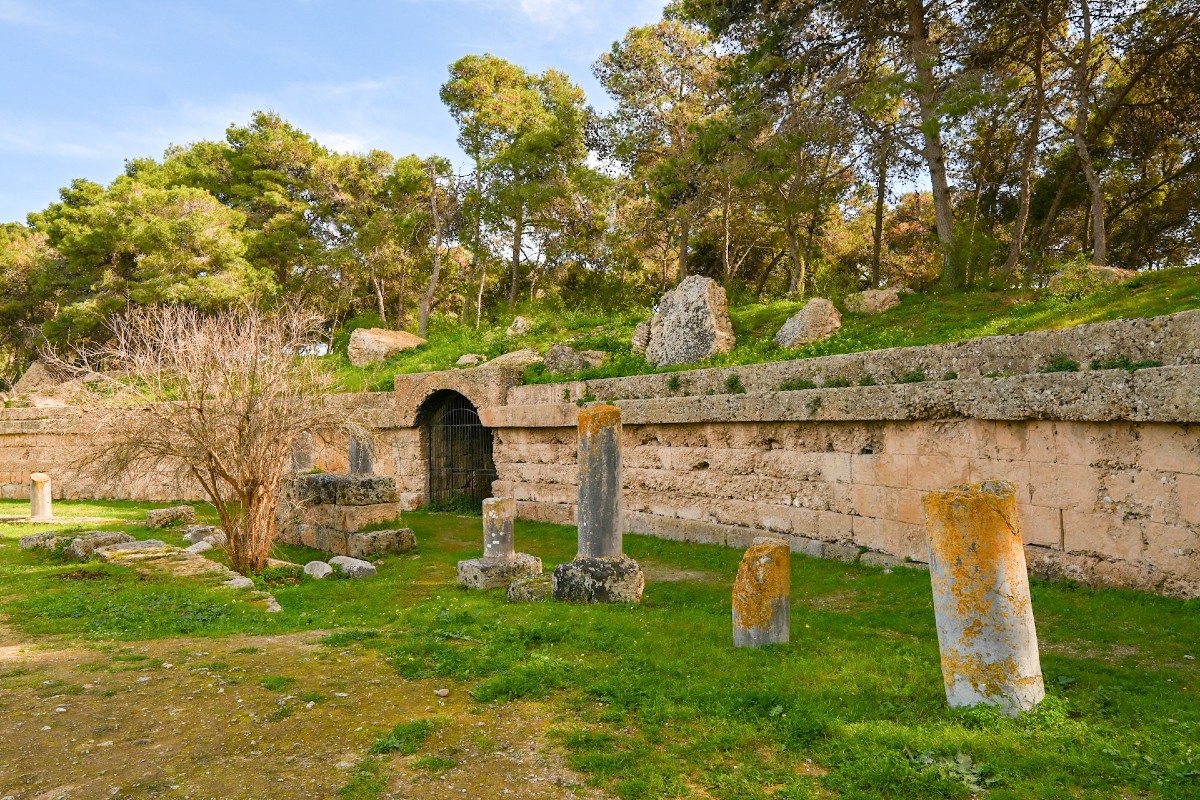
pixel 501 564
pixel 601 572
pixel 362 457
pixel 302 453
pixel 762 594
pixel 981 598
pixel 40 505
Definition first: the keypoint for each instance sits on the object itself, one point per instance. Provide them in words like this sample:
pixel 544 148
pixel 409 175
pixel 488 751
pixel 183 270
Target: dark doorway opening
pixel 459 449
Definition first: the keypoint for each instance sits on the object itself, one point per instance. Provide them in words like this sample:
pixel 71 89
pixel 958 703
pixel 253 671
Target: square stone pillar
pixel 40 505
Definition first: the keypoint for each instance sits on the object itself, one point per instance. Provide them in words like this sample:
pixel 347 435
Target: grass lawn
pixel 653 701
pixel 932 318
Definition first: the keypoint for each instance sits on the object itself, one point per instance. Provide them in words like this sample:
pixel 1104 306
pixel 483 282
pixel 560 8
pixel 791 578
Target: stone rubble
pixel 166 517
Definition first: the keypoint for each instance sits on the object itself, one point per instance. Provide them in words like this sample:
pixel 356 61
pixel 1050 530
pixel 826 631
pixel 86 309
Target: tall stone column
pixel 601 572
pixel 40 505
pixel 762 594
pixel 985 625
pixel 501 564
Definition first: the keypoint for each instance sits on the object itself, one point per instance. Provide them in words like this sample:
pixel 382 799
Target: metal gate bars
pixel 461 469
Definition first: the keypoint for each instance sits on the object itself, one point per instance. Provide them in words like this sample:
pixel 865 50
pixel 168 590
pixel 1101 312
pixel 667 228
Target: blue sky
pixel 90 84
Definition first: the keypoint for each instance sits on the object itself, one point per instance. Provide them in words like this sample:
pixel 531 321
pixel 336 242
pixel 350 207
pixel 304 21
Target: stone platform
pixel 330 512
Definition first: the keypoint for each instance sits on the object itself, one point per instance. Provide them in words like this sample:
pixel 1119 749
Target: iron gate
pixel 461 469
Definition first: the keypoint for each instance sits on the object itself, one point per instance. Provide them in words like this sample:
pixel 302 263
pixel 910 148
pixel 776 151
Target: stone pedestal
pixel 601 572
pixel 762 594
pixel 362 457
pixel 330 512
pixel 40 505
pixel 501 564
pixel 981 598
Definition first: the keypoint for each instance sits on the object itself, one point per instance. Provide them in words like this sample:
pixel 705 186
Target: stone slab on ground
pixel 873 301
pixel 492 573
pixel 165 517
pixel 531 589
pixel 353 567
pixel 590 579
pixel 318 569
pixel 372 543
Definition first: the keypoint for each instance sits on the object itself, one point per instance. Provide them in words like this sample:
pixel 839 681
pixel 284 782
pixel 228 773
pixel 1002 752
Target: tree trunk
pixel 479 242
pixel 518 229
pixel 431 289
pixel 934 151
pixel 684 232
pixel 880 204
pixel 1083 94
pixel 725 225
pixel 379 298
pixel 1017 246
pixel 794 253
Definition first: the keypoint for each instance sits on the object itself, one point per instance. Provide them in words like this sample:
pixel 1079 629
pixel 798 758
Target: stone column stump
pixel 41 508
pixel 985 626
pixel 362 457
pixel 601 572
pixel 501 564
pixel 762 594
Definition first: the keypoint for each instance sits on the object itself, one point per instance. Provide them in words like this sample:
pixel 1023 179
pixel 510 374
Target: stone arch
pixel 484 387
pixel 458 450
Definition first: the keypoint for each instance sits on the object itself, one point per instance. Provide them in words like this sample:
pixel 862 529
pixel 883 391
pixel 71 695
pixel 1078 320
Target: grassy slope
pixel 853 708
pixel 918 320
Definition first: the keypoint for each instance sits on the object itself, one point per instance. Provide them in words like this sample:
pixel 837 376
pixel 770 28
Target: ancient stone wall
pixel 1106 462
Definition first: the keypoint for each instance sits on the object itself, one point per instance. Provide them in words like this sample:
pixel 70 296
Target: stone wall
pixel 1106 461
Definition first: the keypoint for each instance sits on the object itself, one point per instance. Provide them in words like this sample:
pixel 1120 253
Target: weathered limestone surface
pixel 41 508
pixel 981 598
pixel 519 327
pixel 692 324
pixel 564 360
pixel 75 546
pixel 175 515
pixel 590 579
pixel 329 512
pixel 531 589
pixel 641 338
pixel 362 457
pixel 501 564
pixel 873 301
pixel 762 594
pixel 353 567
pixel 371 345
pixel 517 358
pixel 819 319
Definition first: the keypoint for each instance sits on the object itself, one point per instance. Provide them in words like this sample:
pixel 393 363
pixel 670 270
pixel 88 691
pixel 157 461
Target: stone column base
pixel 599 580
pixel 492 573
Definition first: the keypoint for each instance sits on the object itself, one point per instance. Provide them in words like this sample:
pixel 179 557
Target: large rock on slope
pixel 873 301
pixel 371 345
pixel 517 358
pixel 692 324
pixel 564 360
pixel 818 320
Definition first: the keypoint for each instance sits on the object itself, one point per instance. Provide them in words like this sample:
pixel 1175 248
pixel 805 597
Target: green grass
pixel 919 319
pixel 654 701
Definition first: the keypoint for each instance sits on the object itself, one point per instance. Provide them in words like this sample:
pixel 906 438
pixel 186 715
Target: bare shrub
pixel 216 399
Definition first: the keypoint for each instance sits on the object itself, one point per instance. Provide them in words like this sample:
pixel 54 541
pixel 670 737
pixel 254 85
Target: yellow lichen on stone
pixel 764 577
pixel 594 420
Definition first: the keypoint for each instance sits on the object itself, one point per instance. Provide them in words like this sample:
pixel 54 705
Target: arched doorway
pixel 459 452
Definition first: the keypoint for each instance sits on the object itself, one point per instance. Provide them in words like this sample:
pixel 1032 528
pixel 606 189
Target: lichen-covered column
pixel 501 564
pixel 40 506
pixel 601 572
pixel 981 598
pixel 762 594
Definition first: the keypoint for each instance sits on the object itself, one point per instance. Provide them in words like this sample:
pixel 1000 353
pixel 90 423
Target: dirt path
pixel 192 718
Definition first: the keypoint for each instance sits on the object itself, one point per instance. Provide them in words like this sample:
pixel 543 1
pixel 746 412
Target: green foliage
pixel 796 384
pixel 916 376
pixel 836 383
pixel 867 380
pixel 733 385
pixel 1061 364
pixel 1123 362
pixel 406 738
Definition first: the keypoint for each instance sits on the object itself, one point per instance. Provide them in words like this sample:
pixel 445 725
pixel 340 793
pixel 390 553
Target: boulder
pixel 83 546
pixel 641 338
pixel 1091 274
pixel 353 567
pixel 164 517
pixel 520 326
pixel 372 345
pixel 564 360
pixel 873 301
pixel 819 319
pixel 202 546
pixel 318 569
pixel 239 582
pixel 36 378
pixel 530 589
pixel 692 324
pixel 590 579
pixel 198 533
pixel 469 360
pixel 517 358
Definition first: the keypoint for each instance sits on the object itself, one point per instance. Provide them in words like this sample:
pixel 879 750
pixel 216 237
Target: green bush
pixel 1061 364
pixel 796 384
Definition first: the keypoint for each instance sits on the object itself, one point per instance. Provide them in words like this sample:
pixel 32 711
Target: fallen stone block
pixel 239 582
pixel 353 567
pixel 318 569
pixel 130 547
pixel 591 579
pixel 362 545
pixel 175 515
pixel 492 573
pixel 198 533
pixel 530 589
pixel 202 546
pixel 83 546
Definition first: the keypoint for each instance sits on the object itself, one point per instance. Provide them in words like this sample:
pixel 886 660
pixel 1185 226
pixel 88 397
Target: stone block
pixel 599 580
pixel 492 573
pixel 166 517
pixel 1104 534
pixel 1067 486
pixel 318 569
pixel 353 567
pixel 366 490
pixel 530 589
pixel 84 545
pixel 362 545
